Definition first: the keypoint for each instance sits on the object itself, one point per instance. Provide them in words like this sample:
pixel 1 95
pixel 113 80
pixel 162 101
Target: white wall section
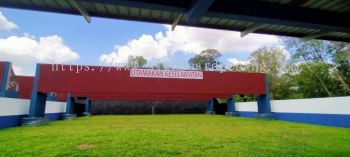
pixel 55 107
pixel 334 105
pixel 12 106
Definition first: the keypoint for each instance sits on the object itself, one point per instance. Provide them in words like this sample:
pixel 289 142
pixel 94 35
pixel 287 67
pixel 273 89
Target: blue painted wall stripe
pixel 54 116
pixel 10 121
pixel 247 114
pixel 15 120
pixel 337 120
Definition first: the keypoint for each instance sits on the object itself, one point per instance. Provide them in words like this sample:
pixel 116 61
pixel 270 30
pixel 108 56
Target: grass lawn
pixel 174 135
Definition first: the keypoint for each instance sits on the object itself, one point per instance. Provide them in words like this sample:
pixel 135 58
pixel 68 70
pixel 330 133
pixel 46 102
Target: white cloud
pixel 188 40
pixel 235 61
pixel 6 24
pixel 284 51
pixel 146 46
pixel 25 51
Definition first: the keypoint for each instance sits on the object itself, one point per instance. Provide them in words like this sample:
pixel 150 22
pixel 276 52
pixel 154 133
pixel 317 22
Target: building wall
pixel 333 111
pixel 25 86
pixel 321 111
pixel 2 66
pixel 105 84
pixel 12 110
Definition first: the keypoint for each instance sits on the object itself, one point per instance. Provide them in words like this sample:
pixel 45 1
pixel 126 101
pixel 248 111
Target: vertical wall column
pixel 210 108
pixel 231 109
pixel 4 80
pixel 264 107
pixel 70 108
pixel 87 107
pixel 37 106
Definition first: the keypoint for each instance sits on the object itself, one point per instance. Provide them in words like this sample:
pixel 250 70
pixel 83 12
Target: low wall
pixel 333 111
pixel 13 110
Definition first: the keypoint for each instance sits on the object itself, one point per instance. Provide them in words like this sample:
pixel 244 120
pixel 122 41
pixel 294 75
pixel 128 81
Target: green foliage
pixel 271 61
pixel 137 61
pixel 244 98
pixel 221 101
pixel 342 64
pixel 312 50
pixel 287 88
pixel 308 80
pixel 206 59
pixel 324 68
pixel 159 66
pixel 321 69
pixel 174 135
pixel 344 70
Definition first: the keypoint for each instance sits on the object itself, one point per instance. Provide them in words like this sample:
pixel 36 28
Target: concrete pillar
pixel 37 105
pixel 70 111
pixel 5 76
pixel 231 110
pixel 263 101
pixel 210 108
pixel 87 107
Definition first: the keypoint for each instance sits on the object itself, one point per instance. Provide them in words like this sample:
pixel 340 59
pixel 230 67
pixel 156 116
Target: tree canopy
pixel 136 61
pixel 315 68
pixel 206 59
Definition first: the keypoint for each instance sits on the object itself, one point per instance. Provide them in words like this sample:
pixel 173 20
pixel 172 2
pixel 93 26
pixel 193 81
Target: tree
pixel 311 50
pixel 308 82
pixel 342 64
pixel 206 59
pixel 288 88
pixel 136 61
pixel 244 98
pixel 272 62
pixel 319 51
pixel 159 66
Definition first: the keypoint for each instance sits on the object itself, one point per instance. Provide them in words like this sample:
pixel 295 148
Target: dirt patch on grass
pixel 86 146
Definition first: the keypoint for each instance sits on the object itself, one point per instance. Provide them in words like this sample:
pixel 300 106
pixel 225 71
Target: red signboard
pixel 173 74
pixel 111 83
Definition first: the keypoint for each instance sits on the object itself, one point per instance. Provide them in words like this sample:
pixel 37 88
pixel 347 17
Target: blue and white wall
pixel 13 110
pixel 333 111
pixel 321 111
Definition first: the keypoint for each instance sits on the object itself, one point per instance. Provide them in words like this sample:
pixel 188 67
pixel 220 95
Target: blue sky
pixel 102 37
pixel 89 39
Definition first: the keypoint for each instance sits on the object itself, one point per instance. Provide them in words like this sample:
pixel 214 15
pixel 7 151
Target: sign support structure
pixel 37 106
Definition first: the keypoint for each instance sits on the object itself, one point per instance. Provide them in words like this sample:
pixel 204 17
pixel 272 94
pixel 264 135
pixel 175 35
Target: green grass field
pixel 174 135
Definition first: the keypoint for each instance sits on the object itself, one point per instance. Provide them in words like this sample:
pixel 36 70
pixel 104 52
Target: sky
pixel 30 37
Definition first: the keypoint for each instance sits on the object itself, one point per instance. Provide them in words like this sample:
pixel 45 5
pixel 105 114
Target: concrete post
pixel 264 107
pixel 87 112
pixel 210 108
pixel 70 112
pixel 37 105
pixel 231 110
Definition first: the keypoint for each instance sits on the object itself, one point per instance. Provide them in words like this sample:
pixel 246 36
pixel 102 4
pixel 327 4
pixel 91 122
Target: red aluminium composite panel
pixel 119 85
pixel 2 66
pixel 25 86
